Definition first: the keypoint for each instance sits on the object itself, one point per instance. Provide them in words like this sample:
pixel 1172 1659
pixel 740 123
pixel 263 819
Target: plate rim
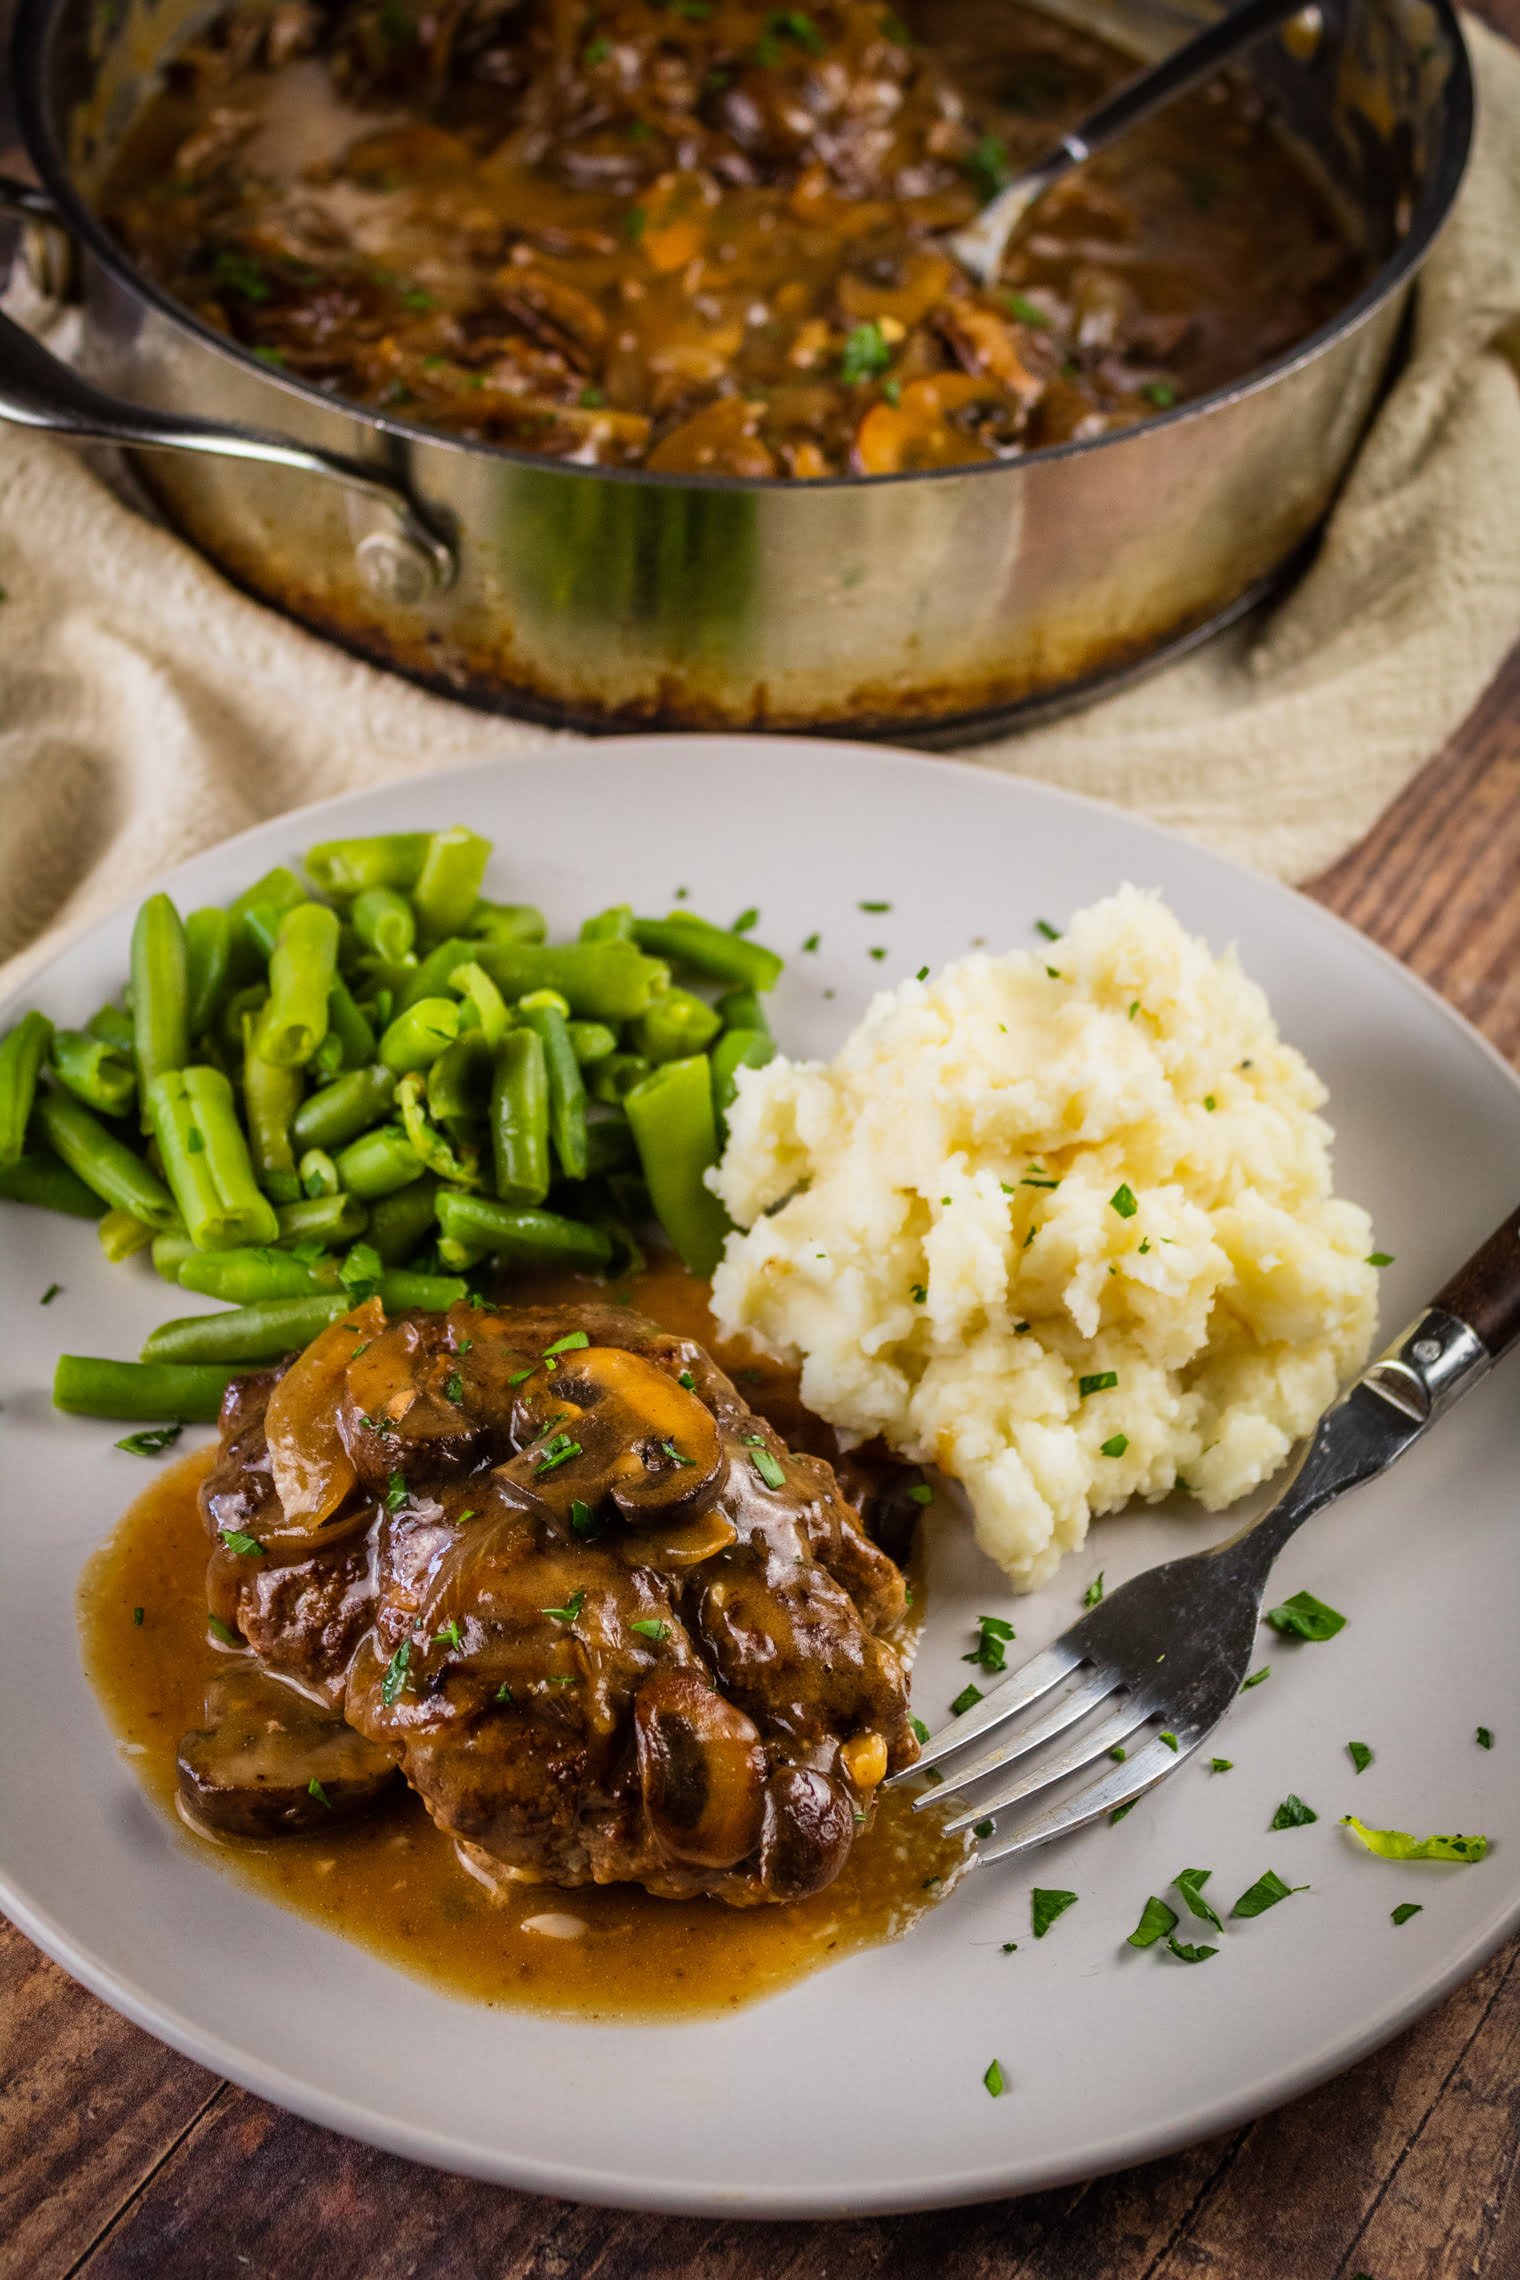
pixel 1146 2140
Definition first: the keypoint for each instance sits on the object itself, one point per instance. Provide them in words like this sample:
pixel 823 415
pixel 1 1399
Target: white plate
pixel 861 2088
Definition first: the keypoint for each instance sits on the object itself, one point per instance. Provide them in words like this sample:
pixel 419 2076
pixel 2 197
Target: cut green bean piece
pixel 87 1385
pixel 416 1037
pixel 612 925
pixel 737 1049
pixel 208 961
pixel 249 1276
pixel 351 1104
pixel 351 1026
pixel 245 1333
pixel 113 1026
pixel 613 1080
pixel 675 1129
pixel 459 1085
pixel 378 1163
pixel 609 1146
pixel 346 867
pixel 399 1290
pixel 543 1012
pixel 741 1009
pixel 477 988
pixel 102 1161
pixel 709 950
pixel 321 1219
pixel 677 1024
pixel 23 1050
pixel 171 1248
pixel 318 1174
pixel 398 1223
pixel 520 1118
pixel 122 1235
pixel 592 1041
pixel 40 1179
pixel 385 923
pixel 507 922
pixel 206 1160
pixel 276 892
pixel 94 1072
pixel 271 1096
pixel 432 975
pixel 524 1238
pixel 448 885
pixel 302 970
pixel 160 979
pixel 600 981
pixel 437 1151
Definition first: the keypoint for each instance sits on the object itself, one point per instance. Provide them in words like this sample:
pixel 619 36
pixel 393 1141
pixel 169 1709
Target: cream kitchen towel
pixel 147 709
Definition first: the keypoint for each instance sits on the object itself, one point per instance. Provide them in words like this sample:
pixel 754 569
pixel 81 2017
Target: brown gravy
pixel 394 1883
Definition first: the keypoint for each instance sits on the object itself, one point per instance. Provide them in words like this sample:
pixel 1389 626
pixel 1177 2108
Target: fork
pixel 1159 1662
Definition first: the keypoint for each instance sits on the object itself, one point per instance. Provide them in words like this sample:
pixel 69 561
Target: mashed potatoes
pixel 1067 1234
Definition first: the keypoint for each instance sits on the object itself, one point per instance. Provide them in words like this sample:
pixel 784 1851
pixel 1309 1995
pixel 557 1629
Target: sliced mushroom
pixel 309 1462
pixel 270 1763
pixel 701 1771
pixel 723 438
pixel 639 1437
pixel 809 1828
pixel 915 284
pixel 920 431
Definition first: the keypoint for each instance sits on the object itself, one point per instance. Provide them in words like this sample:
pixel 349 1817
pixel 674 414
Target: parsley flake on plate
pixel 394 1680
pixel 151 1441
pixel 994 2081
pixel 1360 1755
pixel 990 1650
pixel 1045 1906
pixel 967 1699
pixel 248 1547
pixel 1405 1909
pixel 1156 1921
pixel 1305 1617
pixel 1264 1894
pixel 1484 1738
pixel 569 1611
pixel 314 1789
pixel 1094 1591
pixel 1293 1813
pixel 1190 1884
pixel 1185 1954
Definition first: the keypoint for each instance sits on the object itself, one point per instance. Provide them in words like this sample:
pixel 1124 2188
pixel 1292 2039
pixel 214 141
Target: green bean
pixel 160 994
pixel 378 1163
pixel 245 1333
pixel 709 950
pixel 205 1159
pixel 327 1061
pixel 416 1037
pixel 171 1248
pixel 344 1109
pixel 208 961
pixel 248 1276
pixel 520 1118
pixel 741 1009
pixel 321 1219
pixel 94 1072
pixel 351 1025
pixel 23 1050
pixel 122 1235
pixel 614 925
pixel 459 1258
pixel 477 988
pixel 676 1024
pixel 403 1219
pixel 592 1041
pixel 40 1179
pixel 271 1096
pixel 602 981
pixel 613 1079
pixel 113 1027
pixel 399 1290
pixel 432 975
pixel 346 867
pixel 609 1146
pixel 302 970
pixel 257 911
pixel 437 1151
pixel 232 1024
pixel 507 922
pixel 737 1049
pixel 459 1084
pixel 89 1386
pixel 525 1238
pixel 384 922
pixel 318 1174
pixel 448 885
pixel 675 1129
pixel 543 1013
pixel 102 1161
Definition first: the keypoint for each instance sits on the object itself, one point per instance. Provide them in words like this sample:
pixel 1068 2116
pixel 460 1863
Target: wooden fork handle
pixel 1485 1293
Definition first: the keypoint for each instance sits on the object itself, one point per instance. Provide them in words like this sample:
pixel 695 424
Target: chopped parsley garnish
pixel 595 52
pixel 1094 1591
pixel 1161 393
pixel 794 24
pixel 360 1270
pixel 569 1611
pixel 1210 1103
pixel 1293 1813
pixel 1264 1894
pixel 921 1731
pixel 220 1630
pixel 990 1650
pixel 919 1293
pixel 1123 1201
pixel 1405 1909
pixel 1166 1736
pixel 967 1699
pixel 865 355
pixel 1305 1617
pixel 1190 1884
pixel 994 2081
pixel 569 1344
pixel 467 1514
pixel 1256 1678
pixel 1186 1954
pixel 675 1455
pixel 1101 1381
pixel 563 1680
pixel 922 975
pixel 582 1518
pixel 50 1294
pixel 1038 1180
pixel 1042 925
pixel 449 1635
pixel 1396 1844
pixel 314 1789
pixel 988 166
pixel 1045 1906
pixel 381 1425
pixel 395 1674
pixel 812 942
pixel 1380 1258
pixel 873 906
pixel 453 1387
pixel 877 952
pixel 687 1380
pixel 1484 1738
pixel 503 1693
pixel 1221 1765
pixel 151 1441
pixel 520 1377
pixel 137 1617
pixel 1115 1445
pixel 557 1452
pixel 396 1493
pixel 764 1463
pixel 1360 1755
pixel 921 1493
pixel 635 222
pixel 1119 1811
pixel 247 1547
pixel 1118 1753
pixel 651 1628
pixel 1156 1920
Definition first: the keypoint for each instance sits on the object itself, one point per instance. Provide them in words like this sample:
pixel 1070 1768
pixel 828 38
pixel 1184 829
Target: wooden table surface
pixel 118 2158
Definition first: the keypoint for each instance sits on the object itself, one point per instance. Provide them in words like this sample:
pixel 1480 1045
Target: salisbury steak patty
pixel 608 1625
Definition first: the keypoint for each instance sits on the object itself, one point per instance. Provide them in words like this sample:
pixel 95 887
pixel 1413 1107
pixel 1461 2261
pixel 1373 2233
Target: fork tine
pixel 1124 1719
pixel 1094 1688
pixel 1126 1782
pixel 1023 1686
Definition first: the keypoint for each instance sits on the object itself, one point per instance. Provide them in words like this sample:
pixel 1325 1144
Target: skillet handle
pixel 1485 1293
pixel 408 560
